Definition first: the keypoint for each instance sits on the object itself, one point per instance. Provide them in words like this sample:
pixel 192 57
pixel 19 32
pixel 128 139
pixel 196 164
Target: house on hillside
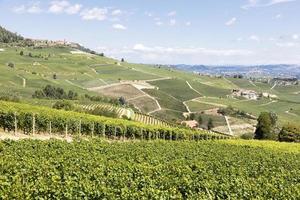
pixel 190 124
pixel 248 94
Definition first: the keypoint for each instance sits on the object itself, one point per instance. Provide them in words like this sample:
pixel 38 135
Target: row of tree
pixel 51 92
pixel 267 129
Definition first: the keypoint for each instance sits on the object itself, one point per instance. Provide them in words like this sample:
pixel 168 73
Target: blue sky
pixel 214 32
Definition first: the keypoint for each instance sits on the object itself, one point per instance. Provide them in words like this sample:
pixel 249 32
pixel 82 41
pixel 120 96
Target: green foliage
pixel 11 65
pixel 63 105
pixel 265 129
pixel 51 92
pixel 8 37
pixel 146 170
pixel 289 133
pixel 104 112
pixel 210 124
pixel 84 123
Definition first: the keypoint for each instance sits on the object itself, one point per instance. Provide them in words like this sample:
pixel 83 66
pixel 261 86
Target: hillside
pixel 8 37
pixel 162 92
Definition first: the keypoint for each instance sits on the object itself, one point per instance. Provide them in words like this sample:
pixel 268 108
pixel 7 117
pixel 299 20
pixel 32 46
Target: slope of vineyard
pixel 149 170
pixel 35 119
pixel 129 113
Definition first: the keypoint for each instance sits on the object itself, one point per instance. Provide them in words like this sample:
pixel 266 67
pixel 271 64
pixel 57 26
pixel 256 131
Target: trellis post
pixel 66 133
pixel 33 124
pixel 16 123
pixel 93 127
pixel 79 128
pixel 50 128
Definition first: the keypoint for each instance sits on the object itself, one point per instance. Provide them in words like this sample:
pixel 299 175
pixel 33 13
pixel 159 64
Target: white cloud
pixel 159 23
pixel 286 44
pixel 182 51
pixel 33 8
pixel 254 38
pixel 231 22
pixel 58 7
pixel 119 27
pixel 173 22
pixel 116 12
pixel 278 16
pixel 263 3
pixel 295 36
pixel 73 9
pixel 188 23
pixel 99 14
pixel 172 13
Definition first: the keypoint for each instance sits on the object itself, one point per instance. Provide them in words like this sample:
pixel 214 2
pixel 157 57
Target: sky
pixel 210 32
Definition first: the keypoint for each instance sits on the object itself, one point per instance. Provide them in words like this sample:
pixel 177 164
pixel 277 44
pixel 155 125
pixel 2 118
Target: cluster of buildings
pixel 50 43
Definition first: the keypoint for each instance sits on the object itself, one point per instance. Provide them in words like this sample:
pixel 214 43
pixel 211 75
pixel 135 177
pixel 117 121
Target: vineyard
pixel 149 170
pixel 32 119
pixel 129 113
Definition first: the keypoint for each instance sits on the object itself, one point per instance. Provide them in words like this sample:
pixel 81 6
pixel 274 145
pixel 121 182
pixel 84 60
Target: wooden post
pixel 115 132
pixel 103 130
pixel 93 127
pixel 66 133
pixel 142 136
pixel 16 123
pixel 50 128
pixel 79 128
pixel 33 124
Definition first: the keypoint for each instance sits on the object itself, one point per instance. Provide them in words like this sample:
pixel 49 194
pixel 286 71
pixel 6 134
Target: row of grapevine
pixel 139 117
pixel 35 119
pixel 95 169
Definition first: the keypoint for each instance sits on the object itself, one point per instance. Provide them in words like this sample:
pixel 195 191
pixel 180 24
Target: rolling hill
pixel 162 92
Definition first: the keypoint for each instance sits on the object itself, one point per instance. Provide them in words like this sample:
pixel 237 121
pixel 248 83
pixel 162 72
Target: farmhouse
pixel 191 123
pixel 248 94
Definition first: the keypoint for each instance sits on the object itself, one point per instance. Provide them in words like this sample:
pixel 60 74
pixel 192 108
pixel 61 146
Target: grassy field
pixel 176 88
pixel 97 169
pixel 166 100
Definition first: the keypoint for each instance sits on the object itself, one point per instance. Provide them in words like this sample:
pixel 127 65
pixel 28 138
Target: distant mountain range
pixel 280 70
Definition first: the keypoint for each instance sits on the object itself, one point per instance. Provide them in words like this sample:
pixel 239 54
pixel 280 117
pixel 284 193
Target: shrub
pixel 11 65
pixel 63 105
pixel 289 133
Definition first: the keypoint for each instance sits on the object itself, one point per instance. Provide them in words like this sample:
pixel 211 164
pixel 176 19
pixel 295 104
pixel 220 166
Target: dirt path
pixel 292 114
pixel 24 81
pixel 193 88
pixel 213 104
pixel 75 85
pixel 20 136
pixel 251 82
pixel 228 125
pixel 187 107
pixel 275 84
pixel 266 104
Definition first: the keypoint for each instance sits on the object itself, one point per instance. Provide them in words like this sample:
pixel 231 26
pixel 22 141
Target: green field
pixel 78 72
pixel 149 170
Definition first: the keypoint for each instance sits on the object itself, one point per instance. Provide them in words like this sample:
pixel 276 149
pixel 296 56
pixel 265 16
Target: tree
pixel 289 133
pixel 63 105
pixel 21 53
pixel 192 116
pixel 122 60
pixel 54 76
pixel 30 54
pixel 122 100
pixel 11 65
pixel 210 124
pixel 265 129
pixel 200 120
